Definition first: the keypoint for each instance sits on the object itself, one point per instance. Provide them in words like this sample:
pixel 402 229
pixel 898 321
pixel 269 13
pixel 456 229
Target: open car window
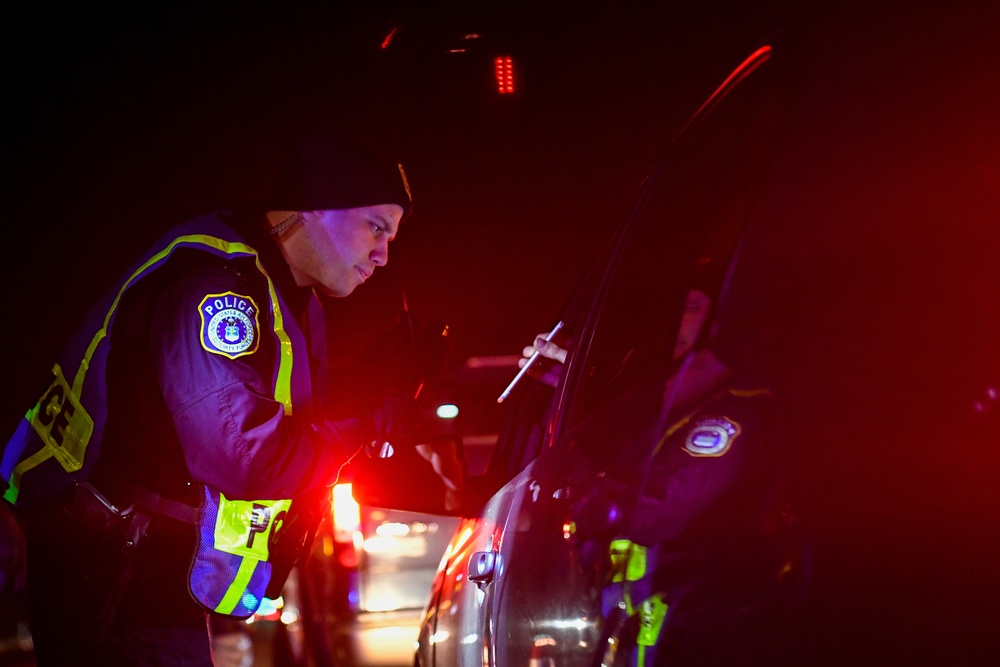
pixel 683 236
pixel 682 229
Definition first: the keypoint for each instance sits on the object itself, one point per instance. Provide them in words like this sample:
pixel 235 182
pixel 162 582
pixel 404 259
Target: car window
pixel 622 319
pixel 683 237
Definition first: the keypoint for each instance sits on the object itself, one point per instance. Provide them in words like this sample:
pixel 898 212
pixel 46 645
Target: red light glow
pixel 503 67
pixel 346 513
pixel 388 38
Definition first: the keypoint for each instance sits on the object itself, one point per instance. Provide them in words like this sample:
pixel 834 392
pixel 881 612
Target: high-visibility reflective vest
pixel 59 439
pixel 629 581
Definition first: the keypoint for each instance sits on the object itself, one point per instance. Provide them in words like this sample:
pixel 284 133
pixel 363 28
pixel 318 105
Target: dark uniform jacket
pixel 720 558
pixel 195 369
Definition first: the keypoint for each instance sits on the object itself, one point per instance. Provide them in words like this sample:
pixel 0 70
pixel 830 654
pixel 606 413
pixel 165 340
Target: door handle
pixel 482 566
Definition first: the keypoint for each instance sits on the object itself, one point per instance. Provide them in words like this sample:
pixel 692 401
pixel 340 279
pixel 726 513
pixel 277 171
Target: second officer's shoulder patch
pixel 711 436
pixel 229 324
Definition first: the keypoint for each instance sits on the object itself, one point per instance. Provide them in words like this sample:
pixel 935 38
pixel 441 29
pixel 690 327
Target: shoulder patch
pixel 229 324
pixel 711 436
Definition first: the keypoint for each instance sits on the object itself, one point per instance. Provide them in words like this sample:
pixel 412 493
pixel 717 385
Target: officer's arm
pixel 235 435
pixel 716 469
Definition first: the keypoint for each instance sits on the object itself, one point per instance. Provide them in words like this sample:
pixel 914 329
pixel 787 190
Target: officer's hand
pixel 397 421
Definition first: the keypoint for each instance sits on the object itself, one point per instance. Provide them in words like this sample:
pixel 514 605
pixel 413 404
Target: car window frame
pixel 595 286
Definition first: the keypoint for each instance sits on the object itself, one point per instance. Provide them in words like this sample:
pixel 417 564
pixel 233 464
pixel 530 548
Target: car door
pixel 455 629
pixel 539 550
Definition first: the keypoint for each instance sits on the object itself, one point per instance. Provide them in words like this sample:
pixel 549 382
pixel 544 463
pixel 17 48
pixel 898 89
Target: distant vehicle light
pixel 396 547
pixel 388 602
pixel 269 610
pixel 392 529
pixel 503 67
pixel 419 527
pixel 447 411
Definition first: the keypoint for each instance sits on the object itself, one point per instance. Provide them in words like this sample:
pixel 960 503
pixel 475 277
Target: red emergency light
pixel 503 67
pixel 388 38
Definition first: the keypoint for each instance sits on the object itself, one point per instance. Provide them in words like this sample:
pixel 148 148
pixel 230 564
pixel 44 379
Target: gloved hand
pixel 398 421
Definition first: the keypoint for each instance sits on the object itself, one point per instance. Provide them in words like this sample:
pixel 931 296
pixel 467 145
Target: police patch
pixel 711 436
pixel 228 324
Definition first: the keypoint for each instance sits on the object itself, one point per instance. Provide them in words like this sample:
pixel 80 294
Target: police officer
pixel 708 564
pixel 182 450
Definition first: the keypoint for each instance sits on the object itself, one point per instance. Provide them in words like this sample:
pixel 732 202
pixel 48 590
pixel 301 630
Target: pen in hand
pixel 531 360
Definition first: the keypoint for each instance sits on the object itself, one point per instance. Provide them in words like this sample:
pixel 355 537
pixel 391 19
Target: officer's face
pixel 697 306
pixel 337 250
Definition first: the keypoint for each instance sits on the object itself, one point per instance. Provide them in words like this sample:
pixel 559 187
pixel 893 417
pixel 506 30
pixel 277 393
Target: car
pixel 835 198
pixel 358 598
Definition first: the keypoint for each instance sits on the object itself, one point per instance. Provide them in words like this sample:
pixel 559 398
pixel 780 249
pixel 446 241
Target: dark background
pixel 125 120
pixel 122 122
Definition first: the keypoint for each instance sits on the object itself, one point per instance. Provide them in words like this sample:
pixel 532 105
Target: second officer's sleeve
pixel 715 474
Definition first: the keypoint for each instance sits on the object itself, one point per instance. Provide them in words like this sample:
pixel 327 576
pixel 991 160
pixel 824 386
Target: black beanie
pixel 329 171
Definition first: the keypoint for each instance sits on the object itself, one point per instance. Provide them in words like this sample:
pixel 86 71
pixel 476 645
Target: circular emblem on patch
pixel 711 436
pixel 228 324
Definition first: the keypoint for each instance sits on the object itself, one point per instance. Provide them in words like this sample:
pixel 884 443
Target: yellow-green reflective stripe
pixel 283 384
pixel 628 563
pixel 243 528
pixel 628 560
pixel 68 428
pixel 652 613
pixel 636 568
pixel 235 592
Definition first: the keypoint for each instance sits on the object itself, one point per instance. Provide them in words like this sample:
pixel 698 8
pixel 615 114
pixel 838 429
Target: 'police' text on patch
pixel 228 324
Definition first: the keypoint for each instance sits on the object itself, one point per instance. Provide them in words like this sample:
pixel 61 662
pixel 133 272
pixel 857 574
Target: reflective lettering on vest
pixel 652 613
pixel 230 572
pixel 62 423
pixel 628 560
pixel 240 521
pixel 260 519
pixel 59 427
